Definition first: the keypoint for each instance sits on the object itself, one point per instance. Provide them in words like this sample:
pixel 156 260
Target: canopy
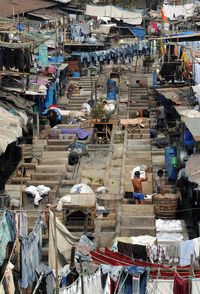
pixel 132 17
pixel 192 168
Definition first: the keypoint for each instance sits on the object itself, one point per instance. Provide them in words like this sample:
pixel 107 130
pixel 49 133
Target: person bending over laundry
pixel 141 84
pixel 137 185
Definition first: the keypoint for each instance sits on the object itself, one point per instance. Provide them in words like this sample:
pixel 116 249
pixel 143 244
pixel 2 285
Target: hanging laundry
pixel 181 285
pixel 30 254
pixel 91 283
pixel 186 250
pixel 112 271
pixel 125 248
pixel 196 243
pixel 154 27
pixel 83 248
pixel 85 28
pixel 47 284
pixel 107 286
pixel 195 286
pixel 8 286
pixel 23 230
pixel 74 288
pixel 156 253
pixel 140 272
pixel 139 252
pixel 7 232
pixel 172 252
pixel 65 241
pixel 160 286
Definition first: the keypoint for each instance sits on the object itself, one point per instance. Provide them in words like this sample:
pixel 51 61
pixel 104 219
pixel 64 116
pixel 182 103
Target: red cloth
pixel 180 286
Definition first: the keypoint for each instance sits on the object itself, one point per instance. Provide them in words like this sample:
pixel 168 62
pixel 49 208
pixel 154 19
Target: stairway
pixel 135 220
pixel 87 84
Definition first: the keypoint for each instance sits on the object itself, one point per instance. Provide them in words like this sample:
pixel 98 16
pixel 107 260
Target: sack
pixel 73 158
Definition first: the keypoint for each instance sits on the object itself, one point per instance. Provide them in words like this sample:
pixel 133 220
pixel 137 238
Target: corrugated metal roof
pixel 7 8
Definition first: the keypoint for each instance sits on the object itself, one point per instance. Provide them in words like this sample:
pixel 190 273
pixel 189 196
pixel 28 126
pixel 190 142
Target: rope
pixel 118 280
pixel 121 286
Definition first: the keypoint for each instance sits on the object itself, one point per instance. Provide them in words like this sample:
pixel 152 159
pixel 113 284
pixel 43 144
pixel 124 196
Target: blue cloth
pixel 7 233
pixel 138 32
pixel 30 255
pixel 138 196
pixel 188 138
pixel 80 133
pixel 131 283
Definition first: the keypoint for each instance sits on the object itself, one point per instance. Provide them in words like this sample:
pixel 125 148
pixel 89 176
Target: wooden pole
pixel 21 198
pixel 137 57
pixel 86 222
pixel 56 253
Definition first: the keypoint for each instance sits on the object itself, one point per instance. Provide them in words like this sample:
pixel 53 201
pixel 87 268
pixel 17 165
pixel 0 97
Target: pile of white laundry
pixel 37 192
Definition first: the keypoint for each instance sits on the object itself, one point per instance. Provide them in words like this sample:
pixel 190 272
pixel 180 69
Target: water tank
pixel 111 89
pixel 170 162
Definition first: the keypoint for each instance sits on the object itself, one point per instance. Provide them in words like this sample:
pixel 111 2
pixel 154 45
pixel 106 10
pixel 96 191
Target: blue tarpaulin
pixel 138 32
pixel 181 34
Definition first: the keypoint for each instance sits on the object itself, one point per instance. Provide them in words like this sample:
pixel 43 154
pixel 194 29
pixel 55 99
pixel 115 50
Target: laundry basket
pixel 165 205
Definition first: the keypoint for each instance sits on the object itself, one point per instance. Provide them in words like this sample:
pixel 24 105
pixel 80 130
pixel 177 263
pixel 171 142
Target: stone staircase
pixel 135 220
pixel 87 84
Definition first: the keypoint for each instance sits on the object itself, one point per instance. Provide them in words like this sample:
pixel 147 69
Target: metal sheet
pixel 8 8
pixel 192 168
pixel 193 125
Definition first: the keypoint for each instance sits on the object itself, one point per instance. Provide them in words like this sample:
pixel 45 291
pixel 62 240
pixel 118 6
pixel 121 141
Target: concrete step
pixel 50 184
pixel 51 168
pixel 137 231
pixel 49 176
pixel 67 182
pixel 74 108
pixel 137 221
pixel 96 147
pixel 138 154
pixel 55 154
pixel 132 210
pixel 52 161
pixel 19 180
pixel 56 147
pixel 105 238
pixel 59 142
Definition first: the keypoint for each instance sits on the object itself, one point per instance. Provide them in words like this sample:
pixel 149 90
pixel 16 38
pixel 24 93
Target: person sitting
pixel 70 91
pixel 141 84
pixel 137 185
pixel 53 117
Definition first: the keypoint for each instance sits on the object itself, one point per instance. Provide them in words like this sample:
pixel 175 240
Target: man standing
pixel 137 185
pixel 160 113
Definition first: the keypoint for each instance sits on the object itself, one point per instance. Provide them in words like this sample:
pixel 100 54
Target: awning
pixel 193 125
pixel 192 168
pixel 138 32
pixel 133 17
